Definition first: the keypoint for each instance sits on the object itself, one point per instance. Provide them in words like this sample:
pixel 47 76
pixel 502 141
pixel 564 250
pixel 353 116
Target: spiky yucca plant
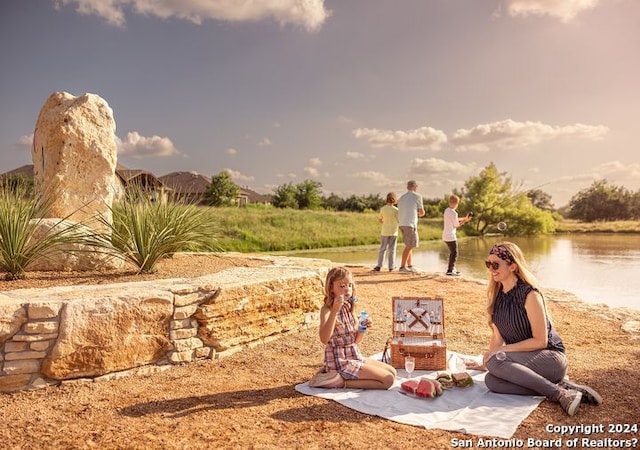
pixel 21 213
pixel 144 231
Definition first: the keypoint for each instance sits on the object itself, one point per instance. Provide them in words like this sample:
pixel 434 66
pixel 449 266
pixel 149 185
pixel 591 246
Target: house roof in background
pixel 254 197
pixel 186 182
pixel 26 170
pixel 143 177
pixel 181 182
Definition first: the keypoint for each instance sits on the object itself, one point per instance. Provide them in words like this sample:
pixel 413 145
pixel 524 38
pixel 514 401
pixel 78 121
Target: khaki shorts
pixel 410 237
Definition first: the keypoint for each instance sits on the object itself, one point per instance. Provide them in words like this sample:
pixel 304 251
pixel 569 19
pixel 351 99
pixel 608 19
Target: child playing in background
pixel 344 365
pixel 388 217
pixel 450 223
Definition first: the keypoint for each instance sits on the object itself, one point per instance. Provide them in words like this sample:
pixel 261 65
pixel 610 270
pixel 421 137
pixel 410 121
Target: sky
pixel 358 95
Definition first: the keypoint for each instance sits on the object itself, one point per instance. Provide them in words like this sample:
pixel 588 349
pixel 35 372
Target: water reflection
pixel 598 268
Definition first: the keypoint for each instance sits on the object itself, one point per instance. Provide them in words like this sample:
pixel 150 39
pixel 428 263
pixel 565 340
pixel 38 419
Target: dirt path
pixel 248 400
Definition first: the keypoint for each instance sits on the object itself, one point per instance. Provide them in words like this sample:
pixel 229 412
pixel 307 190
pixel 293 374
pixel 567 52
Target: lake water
pixel 597 268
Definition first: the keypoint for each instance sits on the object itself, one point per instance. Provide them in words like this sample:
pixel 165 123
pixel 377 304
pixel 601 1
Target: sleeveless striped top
pixel 510 317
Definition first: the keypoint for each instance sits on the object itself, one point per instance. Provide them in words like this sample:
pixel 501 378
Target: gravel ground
pixel 248 400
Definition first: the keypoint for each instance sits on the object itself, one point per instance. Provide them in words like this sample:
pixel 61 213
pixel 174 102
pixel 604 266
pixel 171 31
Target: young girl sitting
pixel 344 365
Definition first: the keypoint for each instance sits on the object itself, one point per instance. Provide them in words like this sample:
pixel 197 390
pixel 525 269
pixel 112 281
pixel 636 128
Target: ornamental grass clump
pixel 144 230
pixel 21 214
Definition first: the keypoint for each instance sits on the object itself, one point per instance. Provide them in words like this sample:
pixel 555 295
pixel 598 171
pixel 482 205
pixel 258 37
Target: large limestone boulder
pixel 72 256
pixel 74 157
pixel 114 332
pixel 12 317
pixel 254 303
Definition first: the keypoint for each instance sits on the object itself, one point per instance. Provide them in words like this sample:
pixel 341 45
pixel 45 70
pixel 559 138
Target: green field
pixel 271 229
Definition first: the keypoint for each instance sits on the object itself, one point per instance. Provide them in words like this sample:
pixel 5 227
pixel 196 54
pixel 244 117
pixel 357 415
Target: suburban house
pixel 140 179
pixel 189 186
pixel 192 186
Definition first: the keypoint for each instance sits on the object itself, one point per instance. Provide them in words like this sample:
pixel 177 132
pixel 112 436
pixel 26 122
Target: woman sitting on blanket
pixel 344 365
pixel 526 356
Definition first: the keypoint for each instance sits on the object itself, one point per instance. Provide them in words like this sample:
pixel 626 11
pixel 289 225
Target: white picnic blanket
pixel 472 410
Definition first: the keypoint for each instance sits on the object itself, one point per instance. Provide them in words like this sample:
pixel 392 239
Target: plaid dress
pixel 341 352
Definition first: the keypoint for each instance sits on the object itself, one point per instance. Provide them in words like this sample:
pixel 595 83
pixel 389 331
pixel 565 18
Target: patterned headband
pixel 502 253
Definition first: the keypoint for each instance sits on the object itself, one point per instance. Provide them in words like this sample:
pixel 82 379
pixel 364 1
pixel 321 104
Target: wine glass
pixel 409 364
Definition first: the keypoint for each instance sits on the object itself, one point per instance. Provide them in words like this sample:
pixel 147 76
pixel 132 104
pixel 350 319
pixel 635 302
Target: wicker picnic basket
pixel 418 330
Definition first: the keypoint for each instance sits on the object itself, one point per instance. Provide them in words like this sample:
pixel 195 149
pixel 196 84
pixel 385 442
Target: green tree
pixel 634 206
pixel 354 204
pixel 602 201
pixel 540 199
pixel 222 191
pixel 434 207
pixel 492 198
pixel 333 202
pixel 308 194
pixel 374 202
pixel 284 196
pixel 305 195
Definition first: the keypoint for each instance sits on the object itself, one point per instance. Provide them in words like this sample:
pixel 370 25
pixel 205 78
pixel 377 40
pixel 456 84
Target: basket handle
pixel 428 355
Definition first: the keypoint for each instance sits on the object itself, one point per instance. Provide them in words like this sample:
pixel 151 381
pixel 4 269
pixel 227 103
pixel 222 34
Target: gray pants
pixel 527 373
pixel 389 244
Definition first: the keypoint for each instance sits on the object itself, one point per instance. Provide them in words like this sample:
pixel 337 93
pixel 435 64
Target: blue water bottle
pixel 362 326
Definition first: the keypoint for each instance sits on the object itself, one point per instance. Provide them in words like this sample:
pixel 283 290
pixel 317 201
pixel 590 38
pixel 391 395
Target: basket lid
pixel 418 316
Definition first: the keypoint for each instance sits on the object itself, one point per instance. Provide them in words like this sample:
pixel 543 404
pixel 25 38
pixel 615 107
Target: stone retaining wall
pixel 55 335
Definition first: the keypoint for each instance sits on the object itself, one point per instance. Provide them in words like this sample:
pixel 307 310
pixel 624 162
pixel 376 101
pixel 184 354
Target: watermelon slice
pixel 409 386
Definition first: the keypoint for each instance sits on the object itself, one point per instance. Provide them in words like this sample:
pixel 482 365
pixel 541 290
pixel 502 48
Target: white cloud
pixel 238 176
pixel 509 134
pixel 359 155
pixel 310 14
pixel 434 166
pixel 344 120
pixel 231 151
pixel 266 142
pixel 564 10
pixel 312 172
pixel 286 175
pixel 376 178
pixel 627 175
pixel 25 142
pixel 423 138
pixel 139 147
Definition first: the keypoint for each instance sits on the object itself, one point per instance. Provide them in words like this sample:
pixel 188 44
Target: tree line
pixel 491 195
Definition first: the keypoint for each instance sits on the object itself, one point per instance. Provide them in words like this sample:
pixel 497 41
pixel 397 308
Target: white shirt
pixel 451 222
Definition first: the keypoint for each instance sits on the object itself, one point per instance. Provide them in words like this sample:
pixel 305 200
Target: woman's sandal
pixel 330 379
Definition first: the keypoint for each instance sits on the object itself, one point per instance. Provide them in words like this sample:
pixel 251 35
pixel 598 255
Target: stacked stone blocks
pixel 65 334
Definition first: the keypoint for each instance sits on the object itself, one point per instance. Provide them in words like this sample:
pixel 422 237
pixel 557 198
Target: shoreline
pixel 630 317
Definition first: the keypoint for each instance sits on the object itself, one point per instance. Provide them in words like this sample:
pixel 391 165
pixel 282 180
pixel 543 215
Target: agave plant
pixel 144 231
pixel 20 216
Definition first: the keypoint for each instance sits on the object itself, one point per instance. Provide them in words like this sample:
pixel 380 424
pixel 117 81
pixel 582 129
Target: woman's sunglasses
pixel 495 265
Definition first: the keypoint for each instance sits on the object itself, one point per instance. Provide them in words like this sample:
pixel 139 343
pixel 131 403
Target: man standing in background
pixel 451 223
pixel 410 207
